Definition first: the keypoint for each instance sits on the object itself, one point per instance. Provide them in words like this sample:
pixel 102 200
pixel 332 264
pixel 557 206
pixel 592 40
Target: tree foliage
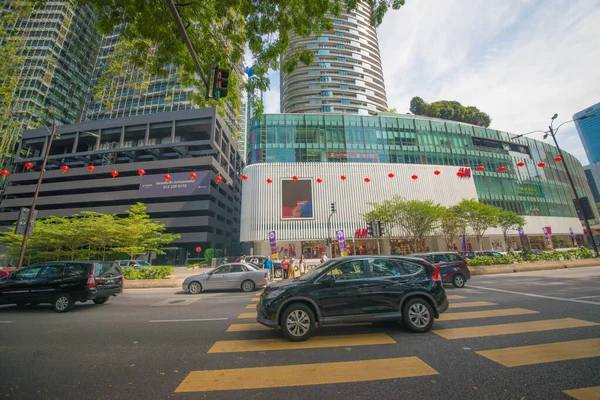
pixel 451 226
pixel 91 235
pixel 509 220
pixel 478 216
pixel 451 110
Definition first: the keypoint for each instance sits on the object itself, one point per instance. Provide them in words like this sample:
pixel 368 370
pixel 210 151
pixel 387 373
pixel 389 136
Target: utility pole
pixel 35 197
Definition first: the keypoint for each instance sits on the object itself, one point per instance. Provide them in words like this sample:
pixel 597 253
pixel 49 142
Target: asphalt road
pixel 161 343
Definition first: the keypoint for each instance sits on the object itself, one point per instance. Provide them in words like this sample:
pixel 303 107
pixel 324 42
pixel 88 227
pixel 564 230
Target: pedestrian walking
pixel 269 266
pixel 293 268
pixel 302 265
pixel 324 258
pixel 285 266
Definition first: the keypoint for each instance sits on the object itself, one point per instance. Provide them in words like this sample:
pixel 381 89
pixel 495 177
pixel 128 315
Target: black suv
pixel 355 289
pixel 62 283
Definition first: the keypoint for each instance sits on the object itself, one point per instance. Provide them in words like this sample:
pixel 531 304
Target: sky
pixel 521 61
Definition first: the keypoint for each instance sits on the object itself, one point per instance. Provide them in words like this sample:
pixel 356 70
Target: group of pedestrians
pixel 290 265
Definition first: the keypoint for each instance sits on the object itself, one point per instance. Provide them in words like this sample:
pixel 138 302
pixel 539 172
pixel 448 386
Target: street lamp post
pixel 35 196
pixel 552 132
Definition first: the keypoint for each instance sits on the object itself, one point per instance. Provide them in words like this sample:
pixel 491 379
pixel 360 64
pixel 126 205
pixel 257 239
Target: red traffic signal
pixel 220 83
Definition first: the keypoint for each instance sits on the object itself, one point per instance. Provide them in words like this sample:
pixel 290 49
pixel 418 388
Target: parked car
pixel 62 283
pixel 534 252
pixel 137 264
pixel 454 268
pixel 261 260
pixel 352 290
pixel 467 254
pixel 228 276
pixel 488 253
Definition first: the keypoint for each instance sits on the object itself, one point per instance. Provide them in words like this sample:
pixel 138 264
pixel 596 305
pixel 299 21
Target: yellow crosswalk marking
pixel 485 314
pixel 543 353
pixel 590 393
pixel 255 299
pixel 311 374
pixel 318 342
pixel 455 297
pixel 472 304
pixel 247 327
pixel 507 329
pixel 251 307
pixel 247 315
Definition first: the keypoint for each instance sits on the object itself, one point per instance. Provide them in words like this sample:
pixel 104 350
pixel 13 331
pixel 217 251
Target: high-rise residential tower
pixel 589 131
pixel 58 45
pixel 346 76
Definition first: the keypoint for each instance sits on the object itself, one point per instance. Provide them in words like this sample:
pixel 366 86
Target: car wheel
pixel 417 315
pixel 101 300
pixel 195 288
pixel 458 281
pixel 297 322
pixel 62 303
pixel 277 273
pixel 248 286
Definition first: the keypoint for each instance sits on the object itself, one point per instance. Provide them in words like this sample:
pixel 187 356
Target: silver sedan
pixel 228 276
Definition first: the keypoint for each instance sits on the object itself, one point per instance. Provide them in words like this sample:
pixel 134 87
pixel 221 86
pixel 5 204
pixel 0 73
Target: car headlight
pixel 274 293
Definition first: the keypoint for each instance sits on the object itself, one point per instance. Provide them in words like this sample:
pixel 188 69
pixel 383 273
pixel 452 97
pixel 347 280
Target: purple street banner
pixel 548 239
pixel 573 237
pixel 273 243
pixel 341 242
pixel 180 184
pixel 521 232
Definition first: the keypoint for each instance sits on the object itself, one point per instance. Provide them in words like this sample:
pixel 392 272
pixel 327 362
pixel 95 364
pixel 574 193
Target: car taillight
pixel 436 274
pixel 91 282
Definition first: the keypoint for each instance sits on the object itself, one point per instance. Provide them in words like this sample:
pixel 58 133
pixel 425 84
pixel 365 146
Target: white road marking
pixel 188 320
pixel 538 295
pixel 585 297
pixel 5 322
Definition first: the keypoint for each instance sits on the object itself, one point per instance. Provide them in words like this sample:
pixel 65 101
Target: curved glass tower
pixel 346 76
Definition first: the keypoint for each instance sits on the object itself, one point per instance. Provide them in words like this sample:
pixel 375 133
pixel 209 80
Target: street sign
pixel 23 216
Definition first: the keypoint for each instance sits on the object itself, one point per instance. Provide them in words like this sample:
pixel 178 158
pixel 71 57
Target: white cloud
pixel 520 61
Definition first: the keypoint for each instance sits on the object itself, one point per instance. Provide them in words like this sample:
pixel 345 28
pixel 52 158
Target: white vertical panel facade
pixel 262 202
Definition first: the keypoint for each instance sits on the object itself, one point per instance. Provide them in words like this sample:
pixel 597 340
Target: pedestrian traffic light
pixel 370 228
pixel 332 207
pixel 381 229
pixel 220 83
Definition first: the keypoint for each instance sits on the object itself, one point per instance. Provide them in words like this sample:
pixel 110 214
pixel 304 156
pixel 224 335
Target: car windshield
pixel 107 269
pixel 144 263
pixel 315 271
pixel 252 267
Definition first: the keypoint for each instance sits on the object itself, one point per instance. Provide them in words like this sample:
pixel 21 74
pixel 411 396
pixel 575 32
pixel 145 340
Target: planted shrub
pixel 147 273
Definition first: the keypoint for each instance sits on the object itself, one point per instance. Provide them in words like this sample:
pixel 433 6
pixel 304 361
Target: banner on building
pixel 341 242
pixel 547 236
pixel 296 199
pixel 273 243
pixel 180 184
pixel 573 237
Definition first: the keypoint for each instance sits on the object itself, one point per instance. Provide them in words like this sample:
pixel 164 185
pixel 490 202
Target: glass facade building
pixel 397 138
pixel 589 131
pixel 346 76
pixel 60 44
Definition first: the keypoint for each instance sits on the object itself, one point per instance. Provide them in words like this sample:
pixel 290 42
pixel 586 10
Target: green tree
pixel 509 220
pixel 137 233
pixel 451 226
pixel 450 110
pixel 478 216
pixel 418 219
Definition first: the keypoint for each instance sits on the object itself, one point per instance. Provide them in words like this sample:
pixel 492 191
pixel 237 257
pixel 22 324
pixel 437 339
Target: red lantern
pixel 193 175
pixel 167 177
pixel 319 180
pixel 294 178
pixel 480 168
pixel 114 173
pixel 65 168
pixel 460 173
pixel 29 165
pixel 5 173
pixel 558 159
pixel 91 168
pixel 141 172
pixel 367 180
pixel 244 177
pixel 198 249
pixel 343 177
pixel 520 164
pixel 437 172
pixel 502 169
pixel 541 164
pixel 415 177
pixel 219 179
pixel 269 180
pixel 390 175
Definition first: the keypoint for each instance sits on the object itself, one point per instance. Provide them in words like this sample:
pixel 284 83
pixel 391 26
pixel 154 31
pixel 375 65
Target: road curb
pixel 153 283
pixel 535 266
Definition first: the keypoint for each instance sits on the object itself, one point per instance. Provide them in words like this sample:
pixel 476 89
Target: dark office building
pixel 192 147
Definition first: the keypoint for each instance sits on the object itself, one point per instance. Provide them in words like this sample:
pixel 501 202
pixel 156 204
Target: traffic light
pixel 22 222
pixel 332 207
pixel 220 83
pixel 381 228
pixel 370 228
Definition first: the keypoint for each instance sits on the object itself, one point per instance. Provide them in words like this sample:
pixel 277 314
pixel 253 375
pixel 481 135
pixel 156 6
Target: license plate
pixel 109 281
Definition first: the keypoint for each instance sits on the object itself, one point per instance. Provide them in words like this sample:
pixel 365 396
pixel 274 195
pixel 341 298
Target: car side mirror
pixel 12 275
pixel 328 280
